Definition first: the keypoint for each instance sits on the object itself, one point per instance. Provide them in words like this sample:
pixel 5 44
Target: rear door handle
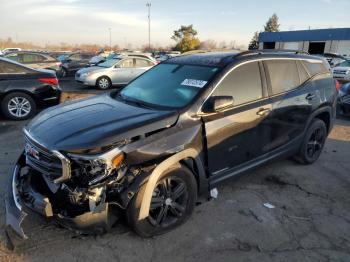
pixel 263 111
pixel 310 96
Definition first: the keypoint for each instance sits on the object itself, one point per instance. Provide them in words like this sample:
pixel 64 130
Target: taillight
pixel 58 63
pixel 337 85
pixel 49 80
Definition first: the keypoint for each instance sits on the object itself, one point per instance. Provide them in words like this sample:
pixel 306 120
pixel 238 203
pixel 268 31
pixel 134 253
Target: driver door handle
pixel 263 111
pixel 310 96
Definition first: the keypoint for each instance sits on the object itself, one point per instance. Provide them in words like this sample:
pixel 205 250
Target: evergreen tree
pixel 272 24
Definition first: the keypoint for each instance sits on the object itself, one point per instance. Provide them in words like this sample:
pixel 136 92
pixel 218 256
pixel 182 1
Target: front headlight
pixel 100 166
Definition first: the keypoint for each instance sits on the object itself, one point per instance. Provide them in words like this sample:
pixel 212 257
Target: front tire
pixel 18 106
pixel 103 83
pixel 173 200
pixel 313 143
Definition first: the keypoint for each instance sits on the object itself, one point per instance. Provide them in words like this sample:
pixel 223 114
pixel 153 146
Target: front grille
pixel 77 74
pixel 42 160
pixel 340 72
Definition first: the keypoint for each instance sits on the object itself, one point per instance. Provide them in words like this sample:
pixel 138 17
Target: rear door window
pixel 284 75
pixel 243 83
pixel 127 63
pixel 31 58
pixel 142 63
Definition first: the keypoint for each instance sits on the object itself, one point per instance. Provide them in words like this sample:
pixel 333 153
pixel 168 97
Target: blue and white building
pixel 316 41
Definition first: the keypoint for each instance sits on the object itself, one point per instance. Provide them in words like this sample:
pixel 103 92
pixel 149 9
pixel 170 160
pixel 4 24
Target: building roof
pixel 306 35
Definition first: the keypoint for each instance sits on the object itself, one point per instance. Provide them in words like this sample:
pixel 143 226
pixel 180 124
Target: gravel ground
pixel 310 221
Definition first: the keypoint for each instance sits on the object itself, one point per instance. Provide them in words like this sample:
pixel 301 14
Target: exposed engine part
pixel 96 197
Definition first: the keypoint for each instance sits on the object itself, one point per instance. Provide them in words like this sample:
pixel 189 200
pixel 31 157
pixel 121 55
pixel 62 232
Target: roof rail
pixel 266 51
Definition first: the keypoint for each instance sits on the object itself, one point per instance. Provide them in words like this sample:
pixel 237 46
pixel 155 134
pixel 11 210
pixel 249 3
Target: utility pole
pixel 110 39
pixel 149 25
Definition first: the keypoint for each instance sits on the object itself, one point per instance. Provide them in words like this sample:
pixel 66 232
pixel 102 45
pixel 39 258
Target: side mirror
pixel 218 103
pixel 117 66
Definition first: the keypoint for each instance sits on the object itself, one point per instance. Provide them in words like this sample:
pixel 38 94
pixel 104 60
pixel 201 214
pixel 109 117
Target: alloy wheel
pixel 19 107
pixel 169 201
pixel 315 143
pixel 103 83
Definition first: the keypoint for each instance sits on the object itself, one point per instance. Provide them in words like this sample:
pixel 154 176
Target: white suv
pixel 342 71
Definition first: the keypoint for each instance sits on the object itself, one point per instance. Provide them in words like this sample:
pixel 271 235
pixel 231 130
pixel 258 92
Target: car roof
pixel 221 59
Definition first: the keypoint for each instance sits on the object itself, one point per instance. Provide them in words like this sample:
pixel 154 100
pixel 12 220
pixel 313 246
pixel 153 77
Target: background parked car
pixel 344 99
pixel 74 62
pixel 36 60
pixel 341 71
pixel 333 59
pixel 11 49
pixel 23 89
pixel 119 71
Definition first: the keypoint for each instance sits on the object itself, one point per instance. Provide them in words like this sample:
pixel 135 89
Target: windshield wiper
pixel 133 101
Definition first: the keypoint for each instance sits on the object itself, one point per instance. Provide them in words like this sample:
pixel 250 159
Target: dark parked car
pixel 36 60
pixel 344 99
pixel 24 89
pixel 73 62
pixel 169 136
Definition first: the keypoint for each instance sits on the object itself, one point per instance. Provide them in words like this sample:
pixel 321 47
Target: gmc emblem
pixel 31 151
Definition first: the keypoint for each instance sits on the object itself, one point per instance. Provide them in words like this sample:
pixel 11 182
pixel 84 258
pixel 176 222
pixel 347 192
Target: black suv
pixel 73 62
pixel 172 134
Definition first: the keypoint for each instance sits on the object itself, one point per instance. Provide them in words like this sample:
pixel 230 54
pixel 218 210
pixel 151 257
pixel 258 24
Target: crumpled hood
pixel 95 122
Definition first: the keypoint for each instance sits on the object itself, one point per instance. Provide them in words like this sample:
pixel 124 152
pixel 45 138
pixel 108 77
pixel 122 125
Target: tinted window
pixel 243 83
pixel 315 67
pixel 127 63
pixel 142 63
pixel 75 57
pixel 302 73
pixel 169 85
pixel 8 68
pixel 29 58
pixel 284 75
pixel 13 57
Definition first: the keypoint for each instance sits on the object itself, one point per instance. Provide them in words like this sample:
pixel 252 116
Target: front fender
pixel 159 170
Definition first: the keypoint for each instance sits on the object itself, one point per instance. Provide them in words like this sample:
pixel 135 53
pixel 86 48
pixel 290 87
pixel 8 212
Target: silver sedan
pixel 119 71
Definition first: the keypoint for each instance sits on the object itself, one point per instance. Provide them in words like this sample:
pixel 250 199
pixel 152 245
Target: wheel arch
pixel 188 157
pixel 11 91
pixel 325 114
pixel 101 76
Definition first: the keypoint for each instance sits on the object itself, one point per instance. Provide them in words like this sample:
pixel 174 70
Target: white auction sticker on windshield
pixel 194 82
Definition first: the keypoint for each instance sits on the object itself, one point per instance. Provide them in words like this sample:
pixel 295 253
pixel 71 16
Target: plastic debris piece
pixel 214 193
pixel 268 205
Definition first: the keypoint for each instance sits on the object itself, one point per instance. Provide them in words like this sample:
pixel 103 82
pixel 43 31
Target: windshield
pixel 169 85
pixel 62 57
pixel 109 63
pixel 344 64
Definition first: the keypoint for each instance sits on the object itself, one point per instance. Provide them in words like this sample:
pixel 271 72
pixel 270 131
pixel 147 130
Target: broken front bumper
pixel 97 221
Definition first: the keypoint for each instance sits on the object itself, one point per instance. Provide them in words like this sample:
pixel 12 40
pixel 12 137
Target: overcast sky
pixel 87 21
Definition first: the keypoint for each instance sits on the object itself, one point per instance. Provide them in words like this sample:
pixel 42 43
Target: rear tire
pixel 18 106
pixel 169 209
pixel 313 143
pixel 103 83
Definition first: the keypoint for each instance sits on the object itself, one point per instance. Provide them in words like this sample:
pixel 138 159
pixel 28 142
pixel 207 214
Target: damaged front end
pixel 82 192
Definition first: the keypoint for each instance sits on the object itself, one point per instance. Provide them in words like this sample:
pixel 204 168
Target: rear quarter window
pixel 8 68
pixel 284 75
pixel 315 67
